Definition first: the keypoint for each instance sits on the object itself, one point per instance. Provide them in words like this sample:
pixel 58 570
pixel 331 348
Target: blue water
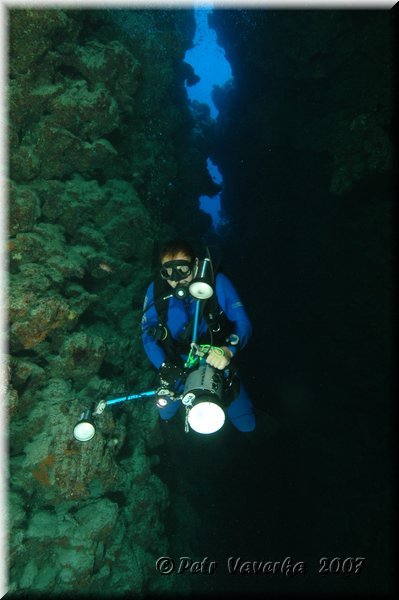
pixel 211 205
pixel 206 52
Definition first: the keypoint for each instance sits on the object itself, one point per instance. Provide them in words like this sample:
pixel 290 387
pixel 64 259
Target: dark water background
pixel 305 490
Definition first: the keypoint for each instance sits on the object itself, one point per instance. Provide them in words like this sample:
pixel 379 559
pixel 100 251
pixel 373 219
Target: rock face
pixel 101 154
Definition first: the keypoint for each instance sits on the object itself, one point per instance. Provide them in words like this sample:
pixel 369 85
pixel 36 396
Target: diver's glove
pixel 170 373
pixel 219 357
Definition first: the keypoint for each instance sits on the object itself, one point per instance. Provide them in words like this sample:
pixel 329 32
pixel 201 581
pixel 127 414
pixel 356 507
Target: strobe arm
pixel 85 429
pixel 132 397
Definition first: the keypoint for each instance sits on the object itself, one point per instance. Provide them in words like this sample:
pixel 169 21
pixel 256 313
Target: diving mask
pixel 176 270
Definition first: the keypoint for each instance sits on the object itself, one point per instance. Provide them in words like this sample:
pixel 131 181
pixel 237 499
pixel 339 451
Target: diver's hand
pixel 219 360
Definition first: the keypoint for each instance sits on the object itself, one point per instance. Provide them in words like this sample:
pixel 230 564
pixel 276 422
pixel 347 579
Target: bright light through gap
pixel 209 62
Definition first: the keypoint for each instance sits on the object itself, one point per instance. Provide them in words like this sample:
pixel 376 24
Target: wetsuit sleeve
pixel 150 319
pixel 234 309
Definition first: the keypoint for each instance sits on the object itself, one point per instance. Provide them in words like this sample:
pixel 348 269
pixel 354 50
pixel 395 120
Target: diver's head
pixel 178 260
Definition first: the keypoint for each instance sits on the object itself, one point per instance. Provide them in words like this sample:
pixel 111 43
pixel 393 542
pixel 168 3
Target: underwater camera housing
pixel 202 395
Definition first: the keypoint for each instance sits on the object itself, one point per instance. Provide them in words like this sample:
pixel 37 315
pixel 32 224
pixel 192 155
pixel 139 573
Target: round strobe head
pixel 84 431
pixel 206 417
pixel 200 290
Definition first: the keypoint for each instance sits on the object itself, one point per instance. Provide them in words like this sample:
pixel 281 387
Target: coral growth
pixel 98 127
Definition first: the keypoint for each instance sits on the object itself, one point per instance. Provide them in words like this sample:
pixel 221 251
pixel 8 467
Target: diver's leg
pixel 241 411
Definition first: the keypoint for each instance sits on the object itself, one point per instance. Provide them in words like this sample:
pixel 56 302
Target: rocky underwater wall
pixel 103 164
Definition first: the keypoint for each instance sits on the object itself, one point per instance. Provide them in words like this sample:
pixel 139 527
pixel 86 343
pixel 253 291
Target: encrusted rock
pixel 27 102
pixel 12 400
pixel 24 163
pixel 17 513
pixel 45 244
pixel 80 356
pixel 68 151
pixel 89 114
pixel 24 209
pixel 33 33
pixel 37 318
pixel 72 204
pixel 109 64
pixel 24 371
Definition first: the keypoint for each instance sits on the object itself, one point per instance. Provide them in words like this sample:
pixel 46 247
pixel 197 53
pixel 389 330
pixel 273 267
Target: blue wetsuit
pixel 180 312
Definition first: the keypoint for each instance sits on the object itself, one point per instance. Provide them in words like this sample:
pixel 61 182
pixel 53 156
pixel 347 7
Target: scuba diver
pixel 223 330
